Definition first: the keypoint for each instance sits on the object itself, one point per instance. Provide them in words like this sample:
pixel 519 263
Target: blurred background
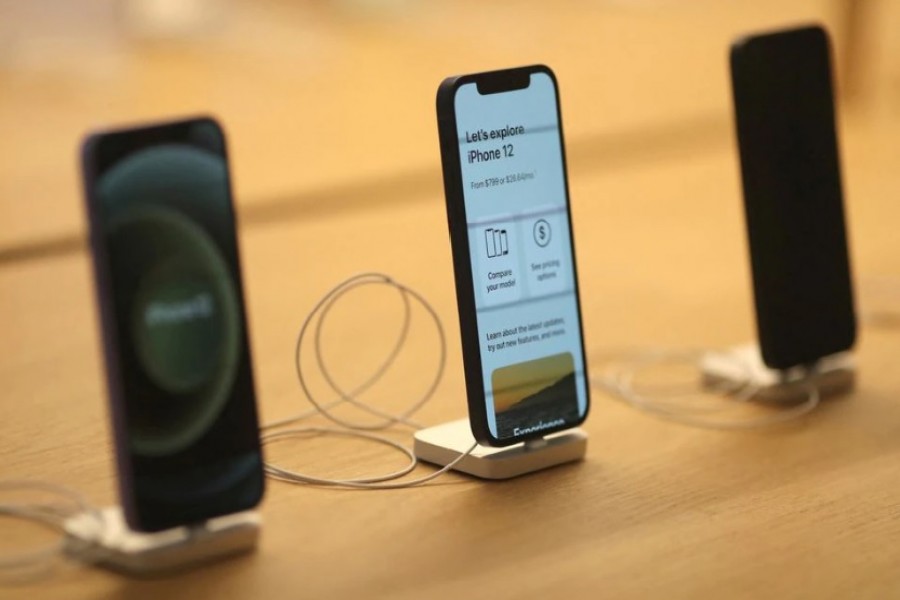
pixel 330 104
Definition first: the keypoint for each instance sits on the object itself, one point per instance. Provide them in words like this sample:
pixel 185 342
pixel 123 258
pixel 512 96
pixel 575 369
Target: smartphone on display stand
pixel 514 263
pixel 785 115
pixel 175 341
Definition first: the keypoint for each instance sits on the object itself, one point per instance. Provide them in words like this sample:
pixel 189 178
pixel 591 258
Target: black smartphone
pixel 168 280
pixel 785 114
pixel 514 263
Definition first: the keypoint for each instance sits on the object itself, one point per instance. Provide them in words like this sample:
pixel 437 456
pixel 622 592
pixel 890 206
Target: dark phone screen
pixel 519 242
pixel 162 208
pixel 792 192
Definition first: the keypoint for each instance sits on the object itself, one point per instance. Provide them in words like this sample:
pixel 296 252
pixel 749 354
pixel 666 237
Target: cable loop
pixel 64 502
pixel 618 380
pixel 314 321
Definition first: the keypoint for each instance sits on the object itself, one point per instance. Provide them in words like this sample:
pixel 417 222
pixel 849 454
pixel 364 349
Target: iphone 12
pixel 177 357
pixel 514 263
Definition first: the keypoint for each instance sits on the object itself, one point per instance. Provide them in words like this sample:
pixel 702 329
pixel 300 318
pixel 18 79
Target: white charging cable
pixel 709 406
pixel 361 430
pixel 57 505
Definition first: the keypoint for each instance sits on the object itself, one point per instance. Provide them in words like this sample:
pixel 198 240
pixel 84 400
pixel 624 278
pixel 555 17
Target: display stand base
pixel 444 443
pixel 729 369
pixel 108 542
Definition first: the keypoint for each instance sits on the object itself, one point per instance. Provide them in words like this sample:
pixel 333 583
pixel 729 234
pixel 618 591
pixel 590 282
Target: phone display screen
pixel 162 223
pixel 792 192
pixel 522 266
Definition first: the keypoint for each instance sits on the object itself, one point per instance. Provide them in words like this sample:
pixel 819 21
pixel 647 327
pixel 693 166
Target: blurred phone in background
pixel 179 377
pixel 784 108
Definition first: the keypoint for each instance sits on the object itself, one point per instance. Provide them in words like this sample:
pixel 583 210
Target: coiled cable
pixel 313 324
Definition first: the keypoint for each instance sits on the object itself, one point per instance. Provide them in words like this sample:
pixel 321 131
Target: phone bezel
pixel 108 322
pixel 490 82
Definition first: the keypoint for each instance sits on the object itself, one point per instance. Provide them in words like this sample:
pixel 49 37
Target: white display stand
pixel 730 369
pixel 444 443
pixel 108 542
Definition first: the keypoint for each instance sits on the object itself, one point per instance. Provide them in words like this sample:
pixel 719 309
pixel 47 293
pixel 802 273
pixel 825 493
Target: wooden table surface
pixel 811 509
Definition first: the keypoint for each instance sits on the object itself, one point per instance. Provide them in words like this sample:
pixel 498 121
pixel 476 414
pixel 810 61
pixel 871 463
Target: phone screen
pixel 522 266
pixel 163 233
pixel 792 191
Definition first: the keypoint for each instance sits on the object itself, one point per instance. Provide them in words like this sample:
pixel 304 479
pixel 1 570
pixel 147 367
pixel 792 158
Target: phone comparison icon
pixel 496 242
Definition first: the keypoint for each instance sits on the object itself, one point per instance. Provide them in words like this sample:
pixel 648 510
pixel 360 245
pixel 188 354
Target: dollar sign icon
pixel 541 233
